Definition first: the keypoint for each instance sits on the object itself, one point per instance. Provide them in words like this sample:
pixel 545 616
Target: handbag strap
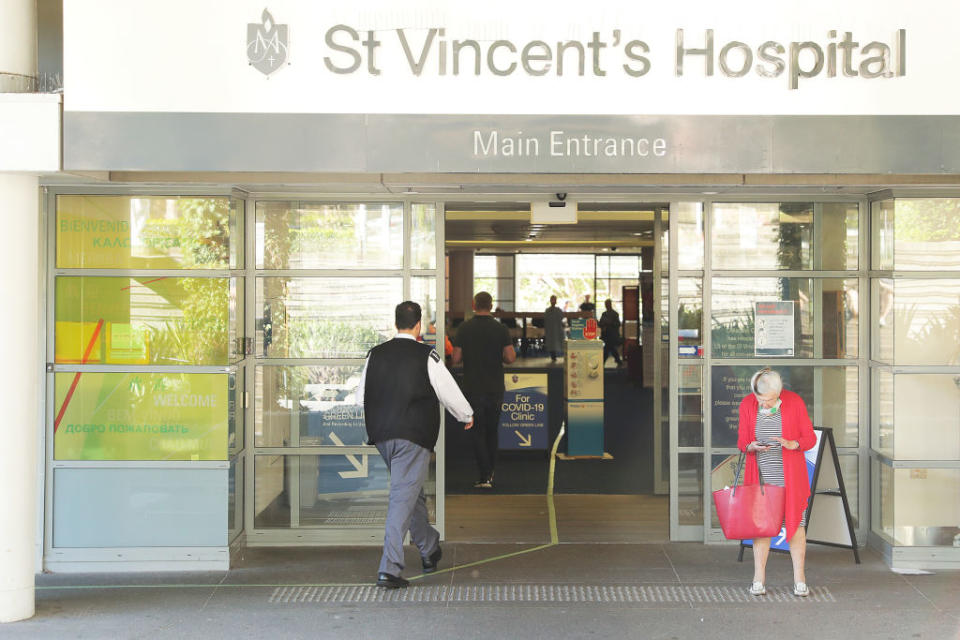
pixel 741 461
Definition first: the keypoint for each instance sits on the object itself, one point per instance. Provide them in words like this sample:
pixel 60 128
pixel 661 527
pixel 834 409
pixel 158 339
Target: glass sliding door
pixel 328 276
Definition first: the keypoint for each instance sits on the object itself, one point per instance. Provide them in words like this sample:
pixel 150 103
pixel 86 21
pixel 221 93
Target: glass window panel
pixel 883 509
pixel 690 317
pixel 926 416
pixel 567 276
pixel 423 236
pixel 831 395
pixel 732 322
pixel 927 234
pixel 882 392
pixel 839 239
pixel 325 491
pixel 142 320
pixel 689 221
pixel 143 232
pixel 881 304
pixel 691 406
pixel 603 267
pixel 308 406
pixel 325 317
pixel 882 235
pixel 314 235
pixel 926 321
pixel 141 416
pixel 235 321
pixel 235 411
pixel 235 498
pixel 762 235
pixel 850 470
pixel 237 226
pixel 690 488
pixel 925 506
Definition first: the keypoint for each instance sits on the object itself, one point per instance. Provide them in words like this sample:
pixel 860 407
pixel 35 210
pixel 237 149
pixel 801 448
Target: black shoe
pixel 389 581
pixel 430 562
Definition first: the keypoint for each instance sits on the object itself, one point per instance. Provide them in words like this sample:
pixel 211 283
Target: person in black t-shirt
pixel 586 305
pixel 610 332
pixel 484 346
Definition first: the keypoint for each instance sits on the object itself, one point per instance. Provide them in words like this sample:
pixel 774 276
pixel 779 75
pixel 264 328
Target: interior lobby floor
pixel 580 518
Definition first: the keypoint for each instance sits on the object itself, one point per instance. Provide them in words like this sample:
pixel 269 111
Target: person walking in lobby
pixel 610 332
pixel 553 329
pixel 588 306
pixel 775 427
pixel 402 386
pixel 483 345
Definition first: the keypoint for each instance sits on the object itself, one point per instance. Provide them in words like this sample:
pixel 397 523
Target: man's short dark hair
pixel 407 315
pixel 483 301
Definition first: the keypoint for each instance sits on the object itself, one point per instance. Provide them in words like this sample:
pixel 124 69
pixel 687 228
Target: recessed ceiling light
pixel 710 193
pixel 638 233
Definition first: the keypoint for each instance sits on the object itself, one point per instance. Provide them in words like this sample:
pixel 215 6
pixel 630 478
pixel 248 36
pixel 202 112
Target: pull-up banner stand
pixel 828 510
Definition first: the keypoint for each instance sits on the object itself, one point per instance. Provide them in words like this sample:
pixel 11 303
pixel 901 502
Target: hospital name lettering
pixel 432 52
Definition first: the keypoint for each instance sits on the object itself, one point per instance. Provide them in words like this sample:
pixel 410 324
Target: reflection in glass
pixel 325 317
pixel 926 416
pixel 235 323
pixel 925 321
pixel 689 220
pixel 850 470
pixel 308 406
pixel 235 411
pixel 142 320
pixel 423 236
pixel 235 498
pixel 829 392
pixel 141 416
pixel 614 273
pixel 690 488
pixel 762 235
pixel 144 232
pixel 334 235
pixel 918 507
pixel 326 491
pixel 927 234
pixel 691 406
pixel 839 239
pixel 881 304
pixel 690 317
pixel 723 473
pixel 882 230
pixel 882 392
pixel 732 322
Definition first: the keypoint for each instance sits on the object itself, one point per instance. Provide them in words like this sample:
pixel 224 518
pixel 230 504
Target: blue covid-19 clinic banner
pixel 523 416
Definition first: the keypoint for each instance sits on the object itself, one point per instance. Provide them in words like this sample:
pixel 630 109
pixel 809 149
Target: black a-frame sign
pixel 828 510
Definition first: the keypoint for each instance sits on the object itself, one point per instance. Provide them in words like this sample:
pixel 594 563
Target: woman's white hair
pixel 766 381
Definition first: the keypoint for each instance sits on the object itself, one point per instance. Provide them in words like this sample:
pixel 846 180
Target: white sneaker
pixel 801 589
pixel 757 589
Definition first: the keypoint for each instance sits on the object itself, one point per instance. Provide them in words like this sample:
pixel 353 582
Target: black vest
pixel 398 400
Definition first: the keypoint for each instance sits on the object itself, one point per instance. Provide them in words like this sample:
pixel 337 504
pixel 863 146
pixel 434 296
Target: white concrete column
pixel 19 393
pixel 22 355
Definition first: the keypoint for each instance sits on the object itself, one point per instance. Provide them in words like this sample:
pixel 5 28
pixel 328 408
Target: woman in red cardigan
pixel 775 427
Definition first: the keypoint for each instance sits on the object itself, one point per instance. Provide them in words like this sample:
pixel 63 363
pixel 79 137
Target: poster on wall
pixel 523 418
pixel 773 333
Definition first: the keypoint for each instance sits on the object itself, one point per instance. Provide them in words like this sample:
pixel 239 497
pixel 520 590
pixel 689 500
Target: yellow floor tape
pixel 551 516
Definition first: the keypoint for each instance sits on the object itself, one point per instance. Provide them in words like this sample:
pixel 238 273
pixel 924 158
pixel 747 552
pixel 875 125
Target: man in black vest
pixel 401 389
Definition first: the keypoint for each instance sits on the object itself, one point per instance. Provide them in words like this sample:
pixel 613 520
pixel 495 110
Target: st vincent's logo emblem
pixel 266 44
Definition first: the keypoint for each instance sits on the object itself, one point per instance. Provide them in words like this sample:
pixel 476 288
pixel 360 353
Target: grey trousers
pixel 409 465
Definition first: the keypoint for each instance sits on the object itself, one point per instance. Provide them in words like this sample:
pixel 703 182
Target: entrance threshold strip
pixel 554 541
pixel 551 516
pixel 545 593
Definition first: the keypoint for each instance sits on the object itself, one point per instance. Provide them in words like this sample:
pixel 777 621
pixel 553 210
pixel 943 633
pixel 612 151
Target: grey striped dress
pixel 770 426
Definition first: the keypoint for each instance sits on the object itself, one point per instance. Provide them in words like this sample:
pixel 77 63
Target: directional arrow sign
pixel 525 441
pixel 361 465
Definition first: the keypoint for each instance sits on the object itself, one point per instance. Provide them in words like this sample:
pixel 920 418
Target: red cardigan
pixel 796 426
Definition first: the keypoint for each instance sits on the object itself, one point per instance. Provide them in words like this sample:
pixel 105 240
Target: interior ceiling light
pixel 710 193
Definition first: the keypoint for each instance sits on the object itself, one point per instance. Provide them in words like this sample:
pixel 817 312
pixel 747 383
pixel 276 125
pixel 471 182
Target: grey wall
pixel 97 141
